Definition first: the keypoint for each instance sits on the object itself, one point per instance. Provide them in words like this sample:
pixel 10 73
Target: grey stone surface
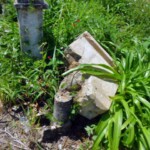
pixel 30 20
pixel 86 50
pixel 94 94
pixel 62 106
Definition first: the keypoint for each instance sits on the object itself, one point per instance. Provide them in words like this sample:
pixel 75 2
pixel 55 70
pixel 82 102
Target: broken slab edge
pixel 97 47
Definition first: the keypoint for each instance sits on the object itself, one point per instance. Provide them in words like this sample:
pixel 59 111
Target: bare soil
pixel 18 134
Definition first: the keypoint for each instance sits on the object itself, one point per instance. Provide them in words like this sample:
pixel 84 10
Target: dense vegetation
pixel 122 27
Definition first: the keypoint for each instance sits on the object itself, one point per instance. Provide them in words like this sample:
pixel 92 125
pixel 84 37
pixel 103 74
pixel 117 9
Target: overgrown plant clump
pixel 127 124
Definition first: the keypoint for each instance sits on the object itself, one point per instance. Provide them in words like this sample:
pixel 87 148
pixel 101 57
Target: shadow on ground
pixel 75 130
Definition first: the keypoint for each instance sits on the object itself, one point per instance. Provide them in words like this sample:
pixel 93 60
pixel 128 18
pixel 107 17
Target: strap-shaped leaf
pixel 116 134
pixel 99 70
pixel 145 132
pixel 101 130
pixel 129 135
pixel 142 143
pixel 144 101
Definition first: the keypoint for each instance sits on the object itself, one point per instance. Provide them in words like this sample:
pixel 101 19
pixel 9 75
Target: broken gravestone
pixel 92 93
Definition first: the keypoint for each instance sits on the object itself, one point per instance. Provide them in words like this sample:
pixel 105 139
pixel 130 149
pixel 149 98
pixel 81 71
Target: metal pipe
pixel 30 18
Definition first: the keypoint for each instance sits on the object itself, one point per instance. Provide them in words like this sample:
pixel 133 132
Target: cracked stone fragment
pixel 94 93
pixel 86 50
pixel 94 97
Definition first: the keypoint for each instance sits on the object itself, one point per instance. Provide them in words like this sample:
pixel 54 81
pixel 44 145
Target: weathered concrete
pixel 30 19
pixel 62 106
pixel 93 97
pixel 86 50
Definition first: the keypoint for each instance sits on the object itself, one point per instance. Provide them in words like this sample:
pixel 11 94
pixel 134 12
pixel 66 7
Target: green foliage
pixel 121 27
pixel 21 77
pixel 113 28
pixel 127 122
pixel 90 129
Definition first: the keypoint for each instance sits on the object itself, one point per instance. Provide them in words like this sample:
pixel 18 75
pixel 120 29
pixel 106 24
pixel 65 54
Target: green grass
pixel 127 122
pixel 121 27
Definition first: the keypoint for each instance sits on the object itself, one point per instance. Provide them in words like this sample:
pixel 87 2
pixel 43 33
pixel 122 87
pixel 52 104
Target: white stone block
pixel 94 96
pixel 89 50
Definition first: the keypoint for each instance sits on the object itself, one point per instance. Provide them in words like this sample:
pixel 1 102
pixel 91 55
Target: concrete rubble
pixel 92 93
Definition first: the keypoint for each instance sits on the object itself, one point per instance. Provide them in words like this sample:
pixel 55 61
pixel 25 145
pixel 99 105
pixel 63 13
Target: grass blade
pixel 144 101
pixel 117 124
pixel 101 130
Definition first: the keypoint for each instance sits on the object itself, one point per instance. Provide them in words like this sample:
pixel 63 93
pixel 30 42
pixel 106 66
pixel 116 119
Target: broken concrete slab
pixel 86 50
pixel 94 97
pixel 94 93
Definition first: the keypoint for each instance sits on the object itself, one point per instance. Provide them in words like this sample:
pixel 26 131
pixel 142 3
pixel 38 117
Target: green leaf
pixel 144 101
pixel 127 122
pixel 122 85
pixel 101 130
pixel 142 143
pixel 129 134
pixel 145 132
pixel 116 134
pixel 141 146
pixel 98 70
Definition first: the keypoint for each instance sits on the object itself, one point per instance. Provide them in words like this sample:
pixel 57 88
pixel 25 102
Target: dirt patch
pixel 16 134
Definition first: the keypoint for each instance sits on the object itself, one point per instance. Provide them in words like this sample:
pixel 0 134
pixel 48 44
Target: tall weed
pixel 127 122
